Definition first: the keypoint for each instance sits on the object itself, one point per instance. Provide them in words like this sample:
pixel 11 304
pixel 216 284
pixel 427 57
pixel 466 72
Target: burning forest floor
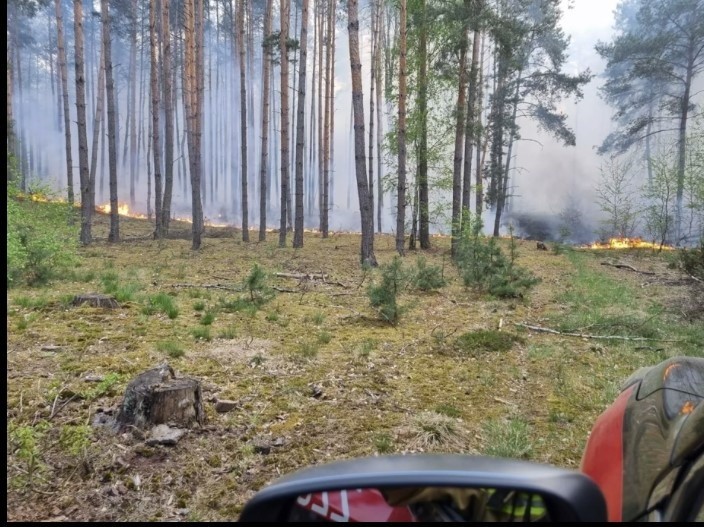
pixel 313 374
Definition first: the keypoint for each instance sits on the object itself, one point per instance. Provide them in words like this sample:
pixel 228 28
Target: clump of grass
pixel 207 318
pixel 126 292
pixel 238 305
pixel 507 438
pixel 22 323
pixel 109 281
pixel 308 350
pixel 201 333
pixel 160 302
pixel 317 318
pixel 324 337
pixel 448 410
pixel 365 348
pixel 485 340
pixel 29 302
pixel 272 316
pixel 75 439
pixel 171 348
pixel 228 333
pixel 104 387
pixel 83 276
pixel 199 306
pixel 383 443
pixel 434 430
pixel 257 360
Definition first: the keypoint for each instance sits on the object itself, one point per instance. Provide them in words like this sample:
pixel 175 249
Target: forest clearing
pixel 312 374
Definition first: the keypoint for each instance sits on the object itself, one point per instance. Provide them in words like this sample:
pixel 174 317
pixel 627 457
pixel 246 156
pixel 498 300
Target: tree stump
pixel 95 300
pixel 157 396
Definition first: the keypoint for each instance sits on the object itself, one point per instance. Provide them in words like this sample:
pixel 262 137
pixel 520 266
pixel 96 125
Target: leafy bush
pixel 41 242
pixel 255 284
pixel 692 260
pixel 486 341
pixel 384 295
pixel 161 302
pixel 484 266
pixel 427 277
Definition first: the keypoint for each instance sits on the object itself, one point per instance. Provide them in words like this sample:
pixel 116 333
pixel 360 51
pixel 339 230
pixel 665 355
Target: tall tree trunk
pixel 243 119
pixel 372 86
pixel 331 140
pixel 114 235
pixel 477 132
pixel 156 127
pixel 64 94
pixel 11 144
pixel 86 201
pixel 322 203
pixel 379 130
pixel 401 186
pixel 310 196
pixel 264 168
pixel 498 110
pixel 97 120
pixel 193 63
pixel 365 207
pixel 133 102
pixel 682 144
pixel 424 203
pixel 283 46
pixel 326 122
pixel 470 142
pixel 460 126
pixel 300 134
pixel 167 80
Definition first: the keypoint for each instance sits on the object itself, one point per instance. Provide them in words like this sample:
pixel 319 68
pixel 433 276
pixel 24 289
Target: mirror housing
pixel 568 495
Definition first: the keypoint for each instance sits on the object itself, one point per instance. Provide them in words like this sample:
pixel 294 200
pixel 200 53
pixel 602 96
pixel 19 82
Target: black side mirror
pixel 429 488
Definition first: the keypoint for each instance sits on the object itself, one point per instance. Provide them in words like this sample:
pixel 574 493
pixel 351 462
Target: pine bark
pixel 424 204
pixel 114 235
pixel 283 47
pixel 243 119
pixel 367 256
pixel 264 164
pixel 300 133
pixel 167 79
pixel 64 93
pixel 86 201
pixel 401 186
pixel 460 126
pixel 156 127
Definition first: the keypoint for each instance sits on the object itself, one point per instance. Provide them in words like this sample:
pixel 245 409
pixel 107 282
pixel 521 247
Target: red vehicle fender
pixel 603 455
pixel 354 505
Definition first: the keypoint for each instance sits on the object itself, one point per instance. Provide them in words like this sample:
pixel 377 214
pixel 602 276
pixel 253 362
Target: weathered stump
pixel 157 396
pixel 542 247
pixel 95 300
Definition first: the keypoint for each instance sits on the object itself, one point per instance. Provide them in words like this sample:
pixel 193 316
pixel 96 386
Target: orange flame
pixel 123 209
pixel 628 243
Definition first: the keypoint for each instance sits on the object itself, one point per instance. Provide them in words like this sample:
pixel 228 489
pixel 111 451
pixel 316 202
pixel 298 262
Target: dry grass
pixel 371 378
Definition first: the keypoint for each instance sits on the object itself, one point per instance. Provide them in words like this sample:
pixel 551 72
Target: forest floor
pixel 315 374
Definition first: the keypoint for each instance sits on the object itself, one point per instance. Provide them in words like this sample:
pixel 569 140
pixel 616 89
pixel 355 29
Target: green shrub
pixel 41 241
pixel 483 265
pixel 201 333
pixel 383 296
pixel 199 306
pixel 255 284
pixel 485 341
pixel 207 318
pixel 161 302
pixel 692 260
pixel 171 348
pixel 427 277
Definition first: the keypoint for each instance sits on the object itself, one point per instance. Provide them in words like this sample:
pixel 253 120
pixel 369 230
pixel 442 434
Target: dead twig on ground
pixel 626 266
pixel 541 329
pixel 209 286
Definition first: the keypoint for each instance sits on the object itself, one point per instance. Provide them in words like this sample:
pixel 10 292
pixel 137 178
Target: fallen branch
pixel 284 290
pixel 696 279
pixel 624 266
pixel 301 276
pixel 541 329
pixel 313 277
pixel 209 286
